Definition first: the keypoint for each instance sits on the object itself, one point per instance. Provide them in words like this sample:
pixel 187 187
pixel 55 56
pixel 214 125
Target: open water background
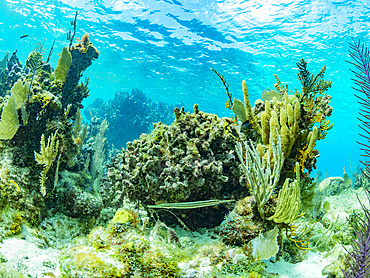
pixel 166 48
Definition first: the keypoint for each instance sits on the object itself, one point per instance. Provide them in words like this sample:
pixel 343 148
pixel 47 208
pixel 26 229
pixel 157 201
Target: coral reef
pixel 127 248
pixel 10 72
pixel 120 250
pixel 277 153
pixel 192 159
pixel 250 175
pixel 129 115
pixel 38 102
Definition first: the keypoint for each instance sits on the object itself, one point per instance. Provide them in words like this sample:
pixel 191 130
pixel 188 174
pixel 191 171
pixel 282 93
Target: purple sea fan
pixel 358 259
pixel 361 61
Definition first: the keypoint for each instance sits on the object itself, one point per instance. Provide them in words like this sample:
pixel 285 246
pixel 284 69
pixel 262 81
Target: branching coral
pixel 36 110
pixel 261 170
pixel 286 127
pixel 293 116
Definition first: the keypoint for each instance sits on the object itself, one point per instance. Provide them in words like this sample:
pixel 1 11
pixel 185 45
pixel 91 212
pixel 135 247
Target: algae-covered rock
pixel 8 272
pixel 32 105
pixel 120 250
pixel 75 202
pixel 192 159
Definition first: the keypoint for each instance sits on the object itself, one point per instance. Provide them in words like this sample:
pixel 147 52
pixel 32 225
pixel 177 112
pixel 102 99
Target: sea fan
pixel 358 259
pixel 361 61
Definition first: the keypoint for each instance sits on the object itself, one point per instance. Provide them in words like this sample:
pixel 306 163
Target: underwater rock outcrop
pixel 38 110
pixel 10 72
pixel 192 159
pixel 129 115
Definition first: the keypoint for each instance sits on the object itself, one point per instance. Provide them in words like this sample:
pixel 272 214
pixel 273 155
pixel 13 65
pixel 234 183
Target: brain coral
pixel 192 159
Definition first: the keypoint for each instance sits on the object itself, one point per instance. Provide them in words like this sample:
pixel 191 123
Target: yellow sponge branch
pixel 47 155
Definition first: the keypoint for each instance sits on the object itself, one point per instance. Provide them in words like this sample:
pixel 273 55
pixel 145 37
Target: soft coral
pixel 358 259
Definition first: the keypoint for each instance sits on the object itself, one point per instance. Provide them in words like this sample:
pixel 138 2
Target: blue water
pixel 167 49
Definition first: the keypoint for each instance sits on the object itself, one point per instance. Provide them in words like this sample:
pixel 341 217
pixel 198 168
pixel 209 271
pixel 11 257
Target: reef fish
pixel 189 205
pixel 24 36
pixel 246 125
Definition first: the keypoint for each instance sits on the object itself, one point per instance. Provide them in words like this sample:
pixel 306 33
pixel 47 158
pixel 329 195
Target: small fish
pixel 24 36
pixel 245 126
pixel 189 205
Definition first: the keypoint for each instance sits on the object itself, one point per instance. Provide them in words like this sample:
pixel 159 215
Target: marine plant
pixel 229 103
pixel 71 34
pixel 276 148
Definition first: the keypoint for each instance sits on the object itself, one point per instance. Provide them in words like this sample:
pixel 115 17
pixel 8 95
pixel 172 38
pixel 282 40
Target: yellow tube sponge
pixel 283 117
pixel 260 150
pixel 285 140
pixel 248 109
pixel 265 123
pixel 290 115
pixel 313 137
pixel 268 108
pixel 274 127
pixel 297 117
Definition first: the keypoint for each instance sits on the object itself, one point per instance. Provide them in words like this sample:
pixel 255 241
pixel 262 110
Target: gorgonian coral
pixel 361 61
pixel 358 258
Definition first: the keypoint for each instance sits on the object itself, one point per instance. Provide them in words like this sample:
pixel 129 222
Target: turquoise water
pixel 167 50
